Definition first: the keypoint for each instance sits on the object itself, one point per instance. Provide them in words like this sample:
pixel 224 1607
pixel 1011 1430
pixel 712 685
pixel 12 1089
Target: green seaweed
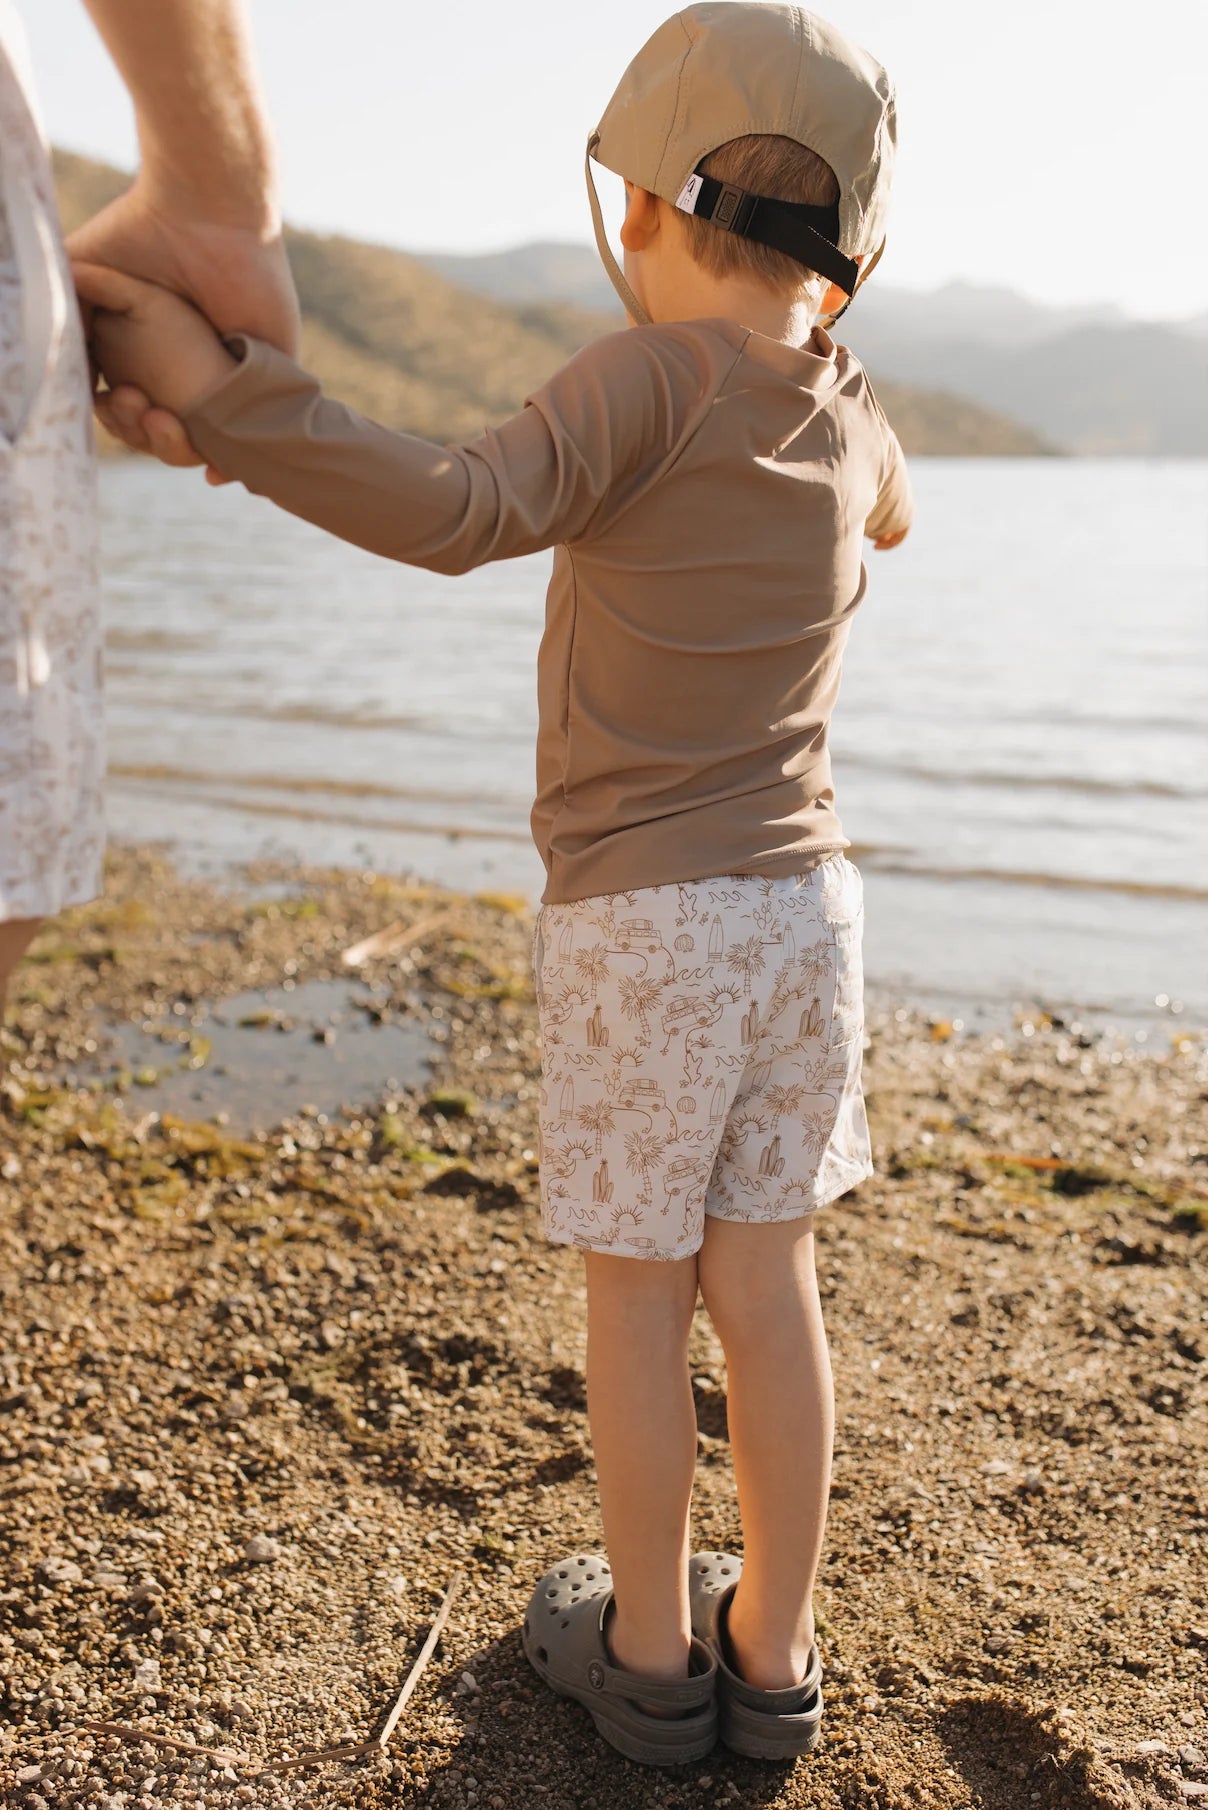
pixel 513 904
pixel 453 1102
pixel 394 1134
pixel 283 908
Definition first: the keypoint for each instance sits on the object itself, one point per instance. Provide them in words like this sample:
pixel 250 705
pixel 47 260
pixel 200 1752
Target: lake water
pixel 1019 749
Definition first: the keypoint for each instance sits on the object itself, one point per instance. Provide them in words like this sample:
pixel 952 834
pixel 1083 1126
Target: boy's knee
pixel 750 1275
pixel 661 1295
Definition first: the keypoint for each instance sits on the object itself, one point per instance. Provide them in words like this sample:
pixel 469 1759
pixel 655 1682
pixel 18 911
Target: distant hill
pixel 394 337
pixel 1085 378
pixel 1102 387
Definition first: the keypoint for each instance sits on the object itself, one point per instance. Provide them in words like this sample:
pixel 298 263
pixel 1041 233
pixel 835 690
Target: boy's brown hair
pixel 768 165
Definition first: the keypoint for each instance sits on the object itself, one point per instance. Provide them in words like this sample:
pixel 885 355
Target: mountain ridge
pixel 1085 377
pixel 394 338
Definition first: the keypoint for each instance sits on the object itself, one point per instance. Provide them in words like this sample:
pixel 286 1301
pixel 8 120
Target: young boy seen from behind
pixel 706 478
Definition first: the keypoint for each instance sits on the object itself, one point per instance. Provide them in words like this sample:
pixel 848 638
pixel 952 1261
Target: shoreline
pixel 907 910
pixel 343 1337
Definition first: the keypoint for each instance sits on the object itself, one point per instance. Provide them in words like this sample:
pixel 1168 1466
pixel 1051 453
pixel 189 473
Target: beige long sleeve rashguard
pixel 706 490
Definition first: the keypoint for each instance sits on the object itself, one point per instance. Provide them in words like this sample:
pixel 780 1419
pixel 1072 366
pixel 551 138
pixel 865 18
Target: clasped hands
pixel 158 285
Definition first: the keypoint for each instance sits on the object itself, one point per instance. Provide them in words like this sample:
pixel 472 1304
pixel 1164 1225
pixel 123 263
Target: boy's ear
pixel 641 221
pixel 834 301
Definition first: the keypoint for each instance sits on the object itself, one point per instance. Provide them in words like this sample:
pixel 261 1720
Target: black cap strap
pixel 808 234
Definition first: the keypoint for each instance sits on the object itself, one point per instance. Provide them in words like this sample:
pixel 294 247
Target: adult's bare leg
pixel 16 934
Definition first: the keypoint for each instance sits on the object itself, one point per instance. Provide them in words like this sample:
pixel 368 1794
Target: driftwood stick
pixel 315 1756
pixel 425 1654
pixel 126 1731
pixel 398 935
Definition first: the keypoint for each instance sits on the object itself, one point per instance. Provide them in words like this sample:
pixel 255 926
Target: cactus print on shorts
pixel 701 1053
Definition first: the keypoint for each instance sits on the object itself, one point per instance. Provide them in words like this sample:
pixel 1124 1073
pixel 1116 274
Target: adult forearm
pixel 203 132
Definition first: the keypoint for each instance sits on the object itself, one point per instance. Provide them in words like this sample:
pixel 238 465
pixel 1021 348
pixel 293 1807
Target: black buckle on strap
pixel 732 209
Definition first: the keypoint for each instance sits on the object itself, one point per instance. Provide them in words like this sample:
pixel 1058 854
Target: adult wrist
pixel 240 196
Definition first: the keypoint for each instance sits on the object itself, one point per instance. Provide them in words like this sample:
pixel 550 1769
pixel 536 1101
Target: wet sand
pixel 265 1387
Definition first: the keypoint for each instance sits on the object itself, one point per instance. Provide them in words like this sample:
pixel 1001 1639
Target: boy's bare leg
pixel 643 1429
pixel 761 1293
pixel 16 934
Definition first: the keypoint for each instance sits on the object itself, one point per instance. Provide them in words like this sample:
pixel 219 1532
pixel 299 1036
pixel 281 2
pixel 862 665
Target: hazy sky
pixel 1055 146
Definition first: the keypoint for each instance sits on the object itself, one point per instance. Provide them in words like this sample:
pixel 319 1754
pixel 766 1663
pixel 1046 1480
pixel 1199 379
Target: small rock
pixel 29 1775
pixel 60 1571
pixel 470 1682
pixel 146 1676
pixel 331 1334
pixel 1151 1747
pixel 144 1593
pixel 146 1481
pixel 998 1643
pixel 1189 1788
pixel 1191 1756
pixel 398 1585
pixel 997 1467
pixel 261 1550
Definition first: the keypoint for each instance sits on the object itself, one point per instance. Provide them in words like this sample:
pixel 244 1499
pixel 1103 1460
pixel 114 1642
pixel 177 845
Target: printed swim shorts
pixel 701 1052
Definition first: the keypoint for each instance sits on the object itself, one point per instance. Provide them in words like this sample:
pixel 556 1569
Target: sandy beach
pixel 267 1385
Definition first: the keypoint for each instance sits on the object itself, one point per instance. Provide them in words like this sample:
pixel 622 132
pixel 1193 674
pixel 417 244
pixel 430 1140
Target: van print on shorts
pixel 701 1055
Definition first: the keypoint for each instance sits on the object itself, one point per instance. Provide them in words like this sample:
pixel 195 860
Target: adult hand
pixel 237 275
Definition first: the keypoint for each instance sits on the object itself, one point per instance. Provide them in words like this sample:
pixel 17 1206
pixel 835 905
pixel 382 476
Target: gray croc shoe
pixel 565 1644
pixel 763 1725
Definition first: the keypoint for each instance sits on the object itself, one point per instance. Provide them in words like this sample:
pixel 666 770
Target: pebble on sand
pixel 55 1571
pixel 261 1549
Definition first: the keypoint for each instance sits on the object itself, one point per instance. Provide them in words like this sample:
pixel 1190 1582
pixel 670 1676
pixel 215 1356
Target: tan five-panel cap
pixel 723 69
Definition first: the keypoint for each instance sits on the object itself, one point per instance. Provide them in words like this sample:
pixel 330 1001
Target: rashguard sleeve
pixel 893 511
pixel 553 472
